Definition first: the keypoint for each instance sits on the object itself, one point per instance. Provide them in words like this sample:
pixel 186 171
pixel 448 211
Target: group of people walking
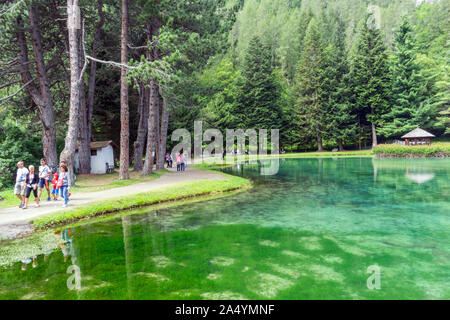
pixel 180 160
pixel 29 181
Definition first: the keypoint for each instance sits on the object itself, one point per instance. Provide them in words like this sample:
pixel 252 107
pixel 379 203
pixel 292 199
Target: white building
pixel 102 156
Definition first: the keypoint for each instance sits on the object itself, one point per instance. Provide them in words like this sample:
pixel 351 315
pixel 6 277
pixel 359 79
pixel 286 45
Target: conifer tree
pixel 308 87
pixel 409 90
pixel 258 92
pixel 340 118
pixel 370 76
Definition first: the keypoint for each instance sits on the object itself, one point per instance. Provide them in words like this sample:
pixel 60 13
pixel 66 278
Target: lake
pixel 331 228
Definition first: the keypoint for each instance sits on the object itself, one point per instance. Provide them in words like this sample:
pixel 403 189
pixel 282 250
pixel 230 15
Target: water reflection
pixel 418 170
pixel 308 232
pixel 420 177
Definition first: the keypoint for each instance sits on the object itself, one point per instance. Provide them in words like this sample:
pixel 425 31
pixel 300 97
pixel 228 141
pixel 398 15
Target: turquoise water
pixel 316 230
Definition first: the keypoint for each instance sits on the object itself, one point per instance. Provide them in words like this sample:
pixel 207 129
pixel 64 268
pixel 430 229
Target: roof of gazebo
pixel 418 133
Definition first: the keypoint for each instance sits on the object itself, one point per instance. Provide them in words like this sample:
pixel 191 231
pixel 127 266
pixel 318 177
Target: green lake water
pixel 315 230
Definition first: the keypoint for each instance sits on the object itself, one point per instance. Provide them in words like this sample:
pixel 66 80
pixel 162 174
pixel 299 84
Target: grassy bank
pixel 87 183
pixel 177 192
pixel 440 149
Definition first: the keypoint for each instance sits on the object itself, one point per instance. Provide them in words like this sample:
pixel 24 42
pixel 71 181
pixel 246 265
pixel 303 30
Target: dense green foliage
pixel 16 144
pixel 409 91
pixel 355 65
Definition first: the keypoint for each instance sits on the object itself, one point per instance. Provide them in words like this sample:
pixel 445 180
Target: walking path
pixel 17 217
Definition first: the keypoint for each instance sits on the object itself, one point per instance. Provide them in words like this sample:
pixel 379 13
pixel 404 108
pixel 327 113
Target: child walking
pixel 55 190
pixel 64 183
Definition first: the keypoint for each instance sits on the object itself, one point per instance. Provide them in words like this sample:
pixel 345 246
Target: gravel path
pixel 11 217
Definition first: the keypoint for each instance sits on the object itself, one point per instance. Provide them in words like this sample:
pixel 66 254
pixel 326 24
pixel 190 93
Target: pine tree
pixel 340 118
pixel 258 91
pixel 370 78
pixel 409 90
pixel 308 87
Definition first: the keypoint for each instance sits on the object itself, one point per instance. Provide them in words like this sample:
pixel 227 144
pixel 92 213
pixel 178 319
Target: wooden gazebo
pixel 417 137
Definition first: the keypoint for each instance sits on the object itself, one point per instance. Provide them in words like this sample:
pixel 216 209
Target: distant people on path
pixel 19 188
pixel 184 163
pixel 178 160
pixel 64 183
pixel 55 190
pixel 169 160
pixel 32 182
pixel 44 177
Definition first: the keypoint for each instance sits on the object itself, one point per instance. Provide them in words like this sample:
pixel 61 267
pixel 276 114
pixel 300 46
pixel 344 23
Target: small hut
pixel 102 157
pixel 417 137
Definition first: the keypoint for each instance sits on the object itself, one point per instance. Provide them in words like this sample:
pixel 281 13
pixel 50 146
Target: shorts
pixel 28 192
pixel 55 191
pixel 19 188
pixel 42 183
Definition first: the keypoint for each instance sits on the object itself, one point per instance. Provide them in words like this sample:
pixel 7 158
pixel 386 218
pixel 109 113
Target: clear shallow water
pixel 309 232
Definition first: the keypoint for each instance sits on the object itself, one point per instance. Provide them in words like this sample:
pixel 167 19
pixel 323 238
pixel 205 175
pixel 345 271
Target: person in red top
pixel 178 160
pixel 55 185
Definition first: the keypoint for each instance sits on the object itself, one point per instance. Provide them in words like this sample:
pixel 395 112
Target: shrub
pixel 394 150
pixel 15 145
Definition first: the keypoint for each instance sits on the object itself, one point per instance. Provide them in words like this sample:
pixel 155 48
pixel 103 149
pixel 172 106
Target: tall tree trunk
pixel 374 136
pixel 157 123
pixel 93 70
pixel 340 146
pixel 40 94
pixel 151 136
pixel 124 110
pixel 319 143
pixel 139 144
pixel 153 123
pixel 72 134
pixel 359 132
pixel 374 131
pixel 163 136
pixel 84 149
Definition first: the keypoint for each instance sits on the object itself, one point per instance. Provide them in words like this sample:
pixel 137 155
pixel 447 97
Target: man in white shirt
pixel 19 188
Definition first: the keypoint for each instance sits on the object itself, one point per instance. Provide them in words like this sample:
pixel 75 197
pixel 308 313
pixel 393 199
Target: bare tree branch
pixel 5 11
pixel 9 83
pixel 151 44
pixel 11 62
pixel 113 63
pixel 83 70
pixel 15 93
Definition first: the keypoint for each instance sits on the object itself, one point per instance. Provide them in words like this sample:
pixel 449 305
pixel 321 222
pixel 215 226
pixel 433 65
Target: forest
pixel 345 74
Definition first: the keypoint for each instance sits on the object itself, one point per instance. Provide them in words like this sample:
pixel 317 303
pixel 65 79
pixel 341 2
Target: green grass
pixel 440 149
pixel 180 191
pixel 10 200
